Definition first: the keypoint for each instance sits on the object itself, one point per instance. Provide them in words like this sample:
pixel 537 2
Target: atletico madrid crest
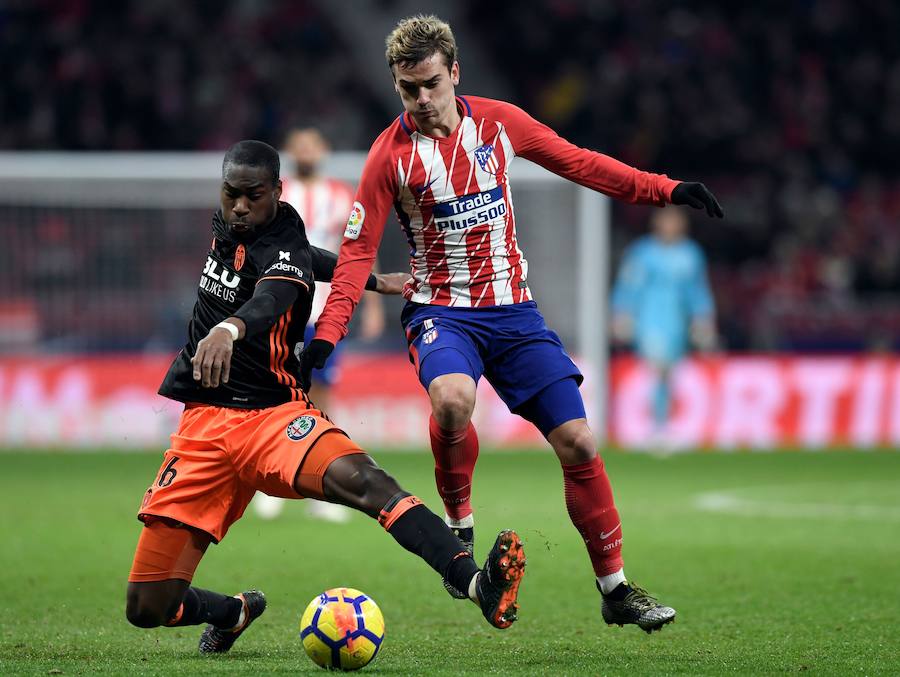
pixel 486 158
pixel 429 336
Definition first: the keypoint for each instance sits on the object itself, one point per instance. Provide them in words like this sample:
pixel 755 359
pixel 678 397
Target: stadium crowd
pixel 170 75
pixel 790 110
pixel 794 123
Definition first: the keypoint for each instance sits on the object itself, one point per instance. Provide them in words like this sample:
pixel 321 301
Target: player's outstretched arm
pixel 696 195
pixel 390 284
pixel 324 262
pixel 272 298
pixel 540 144
pixel 316 353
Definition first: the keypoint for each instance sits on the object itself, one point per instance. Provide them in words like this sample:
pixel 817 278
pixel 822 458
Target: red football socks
pixel 589 500
pixel 455 453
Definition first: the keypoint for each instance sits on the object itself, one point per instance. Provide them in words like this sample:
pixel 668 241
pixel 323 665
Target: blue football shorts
pixel 509 345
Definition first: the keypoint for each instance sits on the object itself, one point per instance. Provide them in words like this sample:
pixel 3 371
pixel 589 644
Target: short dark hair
pixel 250 153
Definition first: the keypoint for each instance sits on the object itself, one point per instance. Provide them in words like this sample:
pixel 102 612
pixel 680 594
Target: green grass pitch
pixel 775 563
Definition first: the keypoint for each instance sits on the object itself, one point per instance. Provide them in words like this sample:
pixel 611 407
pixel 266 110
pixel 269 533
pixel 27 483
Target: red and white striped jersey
pixel 323 204
pixel 455 206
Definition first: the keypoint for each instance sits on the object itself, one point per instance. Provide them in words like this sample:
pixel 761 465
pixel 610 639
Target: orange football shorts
pixel 167 550
pixel 221 456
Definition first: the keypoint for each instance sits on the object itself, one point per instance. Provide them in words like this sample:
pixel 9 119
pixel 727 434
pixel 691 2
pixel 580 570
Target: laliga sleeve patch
pixel 355 222
pixel 300 427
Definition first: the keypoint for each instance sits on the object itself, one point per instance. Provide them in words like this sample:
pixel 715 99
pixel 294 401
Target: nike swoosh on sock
pixel 607 534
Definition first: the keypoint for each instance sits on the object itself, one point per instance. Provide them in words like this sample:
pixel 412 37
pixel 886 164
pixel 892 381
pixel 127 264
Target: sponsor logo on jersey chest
pixel 469 211
pixel 300 427
pixel 230 280
pixel 218 280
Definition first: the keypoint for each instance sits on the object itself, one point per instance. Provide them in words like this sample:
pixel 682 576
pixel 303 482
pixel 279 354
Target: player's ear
pixel 278 187
pixel 454 73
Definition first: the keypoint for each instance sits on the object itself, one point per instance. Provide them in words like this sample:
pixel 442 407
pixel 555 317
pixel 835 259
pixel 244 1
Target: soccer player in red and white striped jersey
pixel 443 166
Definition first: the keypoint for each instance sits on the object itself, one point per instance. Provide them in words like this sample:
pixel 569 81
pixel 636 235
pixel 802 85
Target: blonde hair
pixel 416 38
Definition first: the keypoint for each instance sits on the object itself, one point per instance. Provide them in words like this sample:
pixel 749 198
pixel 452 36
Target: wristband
pixel 371 283
pixel 232 329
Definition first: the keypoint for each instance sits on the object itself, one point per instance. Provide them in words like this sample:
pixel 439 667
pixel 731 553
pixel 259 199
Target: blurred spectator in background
pixel 660 303
pixel 324 205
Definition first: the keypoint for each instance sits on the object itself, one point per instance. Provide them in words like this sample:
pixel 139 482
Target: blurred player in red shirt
pixel 442 165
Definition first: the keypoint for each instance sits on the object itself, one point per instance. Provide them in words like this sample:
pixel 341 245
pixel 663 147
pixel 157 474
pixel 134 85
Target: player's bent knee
pixel 452 402
pixel 150 606
pixel 574 443
pixel 143 615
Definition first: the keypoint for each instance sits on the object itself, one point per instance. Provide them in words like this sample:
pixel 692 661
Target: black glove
pixel 698 196
pixel 313 357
